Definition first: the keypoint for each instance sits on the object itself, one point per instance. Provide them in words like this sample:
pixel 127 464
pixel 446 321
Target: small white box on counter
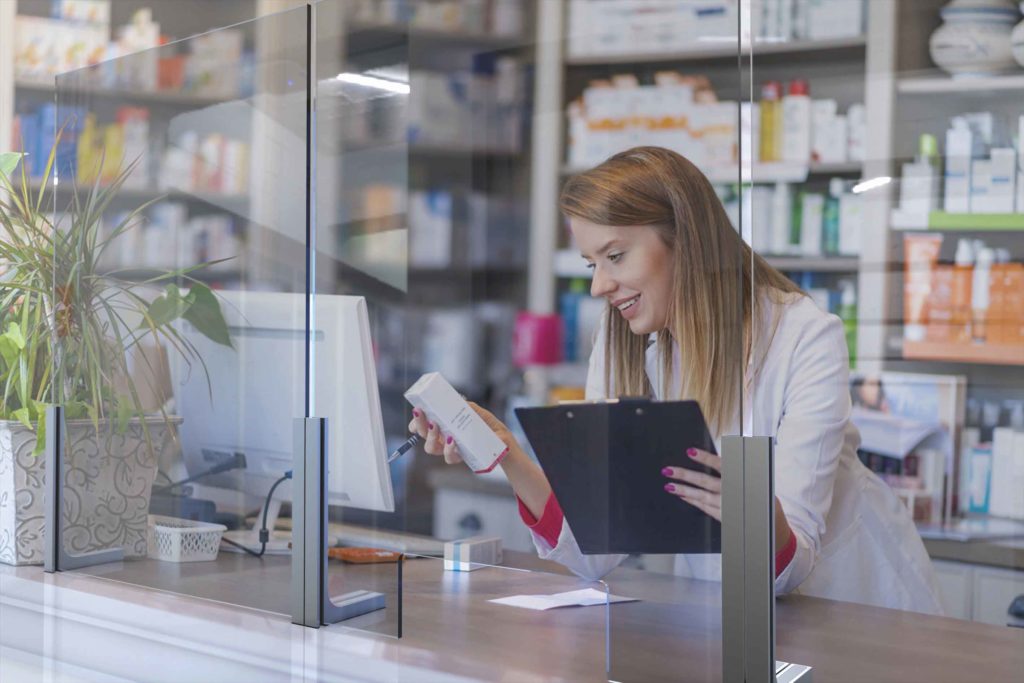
pixel 479 446
pixel 471 553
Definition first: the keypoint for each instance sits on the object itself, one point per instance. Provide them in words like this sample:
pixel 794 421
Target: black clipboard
pixel 604 463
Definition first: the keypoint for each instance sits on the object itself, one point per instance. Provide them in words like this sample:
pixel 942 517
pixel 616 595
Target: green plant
pixel 67 328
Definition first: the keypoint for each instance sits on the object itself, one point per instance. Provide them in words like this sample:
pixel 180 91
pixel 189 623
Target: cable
pixel 264 532
pixel 236 462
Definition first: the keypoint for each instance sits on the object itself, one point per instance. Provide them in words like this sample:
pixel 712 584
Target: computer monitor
pixel 258 389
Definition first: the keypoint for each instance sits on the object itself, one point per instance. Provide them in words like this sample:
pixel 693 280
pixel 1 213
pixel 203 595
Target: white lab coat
pixel 855 540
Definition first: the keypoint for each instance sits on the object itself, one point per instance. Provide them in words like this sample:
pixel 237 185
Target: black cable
pixel 264 532
pixel 235 462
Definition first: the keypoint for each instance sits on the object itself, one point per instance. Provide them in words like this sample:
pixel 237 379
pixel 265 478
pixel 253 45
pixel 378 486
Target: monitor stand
pixel 279 543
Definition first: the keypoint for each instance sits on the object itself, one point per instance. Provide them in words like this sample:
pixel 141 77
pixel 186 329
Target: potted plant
pixel 71 333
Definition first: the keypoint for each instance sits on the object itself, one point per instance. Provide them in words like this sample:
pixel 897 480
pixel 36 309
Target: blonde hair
pixel 712 313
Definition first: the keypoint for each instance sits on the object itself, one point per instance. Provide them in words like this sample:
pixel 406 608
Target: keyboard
pixel 367 537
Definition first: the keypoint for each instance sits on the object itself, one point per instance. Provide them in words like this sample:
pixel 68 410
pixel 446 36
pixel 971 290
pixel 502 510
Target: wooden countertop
pixel 672 634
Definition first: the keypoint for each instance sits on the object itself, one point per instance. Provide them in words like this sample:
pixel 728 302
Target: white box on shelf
pixel 834 19
pixel 851 215
pixel 811 223
pixel 782 217
pixel 981 186
pixel 1004 173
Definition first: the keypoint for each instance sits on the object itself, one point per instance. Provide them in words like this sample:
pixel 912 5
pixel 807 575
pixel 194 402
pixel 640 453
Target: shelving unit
pixel 943 84
pixel 724 49
pixel 990 354
pixel 559 69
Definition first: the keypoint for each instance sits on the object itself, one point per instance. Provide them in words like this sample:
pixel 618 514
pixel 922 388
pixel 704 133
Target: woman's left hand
pixel 703 491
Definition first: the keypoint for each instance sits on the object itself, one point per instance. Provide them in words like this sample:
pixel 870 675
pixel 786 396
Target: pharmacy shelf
pixel 945 85
pixel 771 172
pixel 814 264
pixel 427 38
pixel 237 204
pixel 208 276
pixel 725 48
pixel 167 97
pixel 569 264
pixel 964 353
pixel 961 222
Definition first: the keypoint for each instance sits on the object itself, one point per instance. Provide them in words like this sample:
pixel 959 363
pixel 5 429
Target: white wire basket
pixel 183 540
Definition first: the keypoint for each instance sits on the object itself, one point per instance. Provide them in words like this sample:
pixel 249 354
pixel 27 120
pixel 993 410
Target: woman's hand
pixel 437 443
pixel 703 491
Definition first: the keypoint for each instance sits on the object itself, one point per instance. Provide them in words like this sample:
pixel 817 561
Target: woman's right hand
pixel 434 442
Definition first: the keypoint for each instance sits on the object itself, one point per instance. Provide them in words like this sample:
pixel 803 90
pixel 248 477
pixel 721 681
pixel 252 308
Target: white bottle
pixel 959 146
pixel 796 123
pixel 980 293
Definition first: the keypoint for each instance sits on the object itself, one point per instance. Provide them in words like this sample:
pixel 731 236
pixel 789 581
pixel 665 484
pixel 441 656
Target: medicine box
pixel 479 446
pixel 469 554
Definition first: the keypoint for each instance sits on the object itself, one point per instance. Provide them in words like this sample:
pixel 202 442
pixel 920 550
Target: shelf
pixel 814 264
pixel 769 172
pixel 430 38
pixel 940 220
pixel 137 96
pixel 935 85
pixel 237 204
pixel 202 275
pixel 964 353
pixel 726 49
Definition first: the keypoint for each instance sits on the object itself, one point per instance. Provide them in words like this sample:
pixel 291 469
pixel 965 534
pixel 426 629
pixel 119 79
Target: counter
pixel 451 633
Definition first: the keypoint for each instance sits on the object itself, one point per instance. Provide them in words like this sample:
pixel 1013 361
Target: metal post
pixel 312 604
pixel 748 565
pixel 55 557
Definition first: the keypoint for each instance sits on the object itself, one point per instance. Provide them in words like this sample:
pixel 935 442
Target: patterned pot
pixel 107 484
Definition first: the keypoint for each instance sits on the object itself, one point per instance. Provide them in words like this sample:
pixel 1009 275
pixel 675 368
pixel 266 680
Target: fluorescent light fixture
pixel 374 82
pixel 871 184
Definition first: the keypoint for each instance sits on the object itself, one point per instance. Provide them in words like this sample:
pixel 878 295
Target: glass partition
pixel 656 87
pixel 179 283
pixel 892 206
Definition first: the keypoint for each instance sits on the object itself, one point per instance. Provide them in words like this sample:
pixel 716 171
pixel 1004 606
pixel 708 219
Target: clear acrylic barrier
pixel 663 78
pixel 179 280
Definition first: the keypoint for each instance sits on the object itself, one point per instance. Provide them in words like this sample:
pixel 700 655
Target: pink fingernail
pixel 416 412
pixel 449 440
pixel 667 471
pixel 670 488
pixel 692 452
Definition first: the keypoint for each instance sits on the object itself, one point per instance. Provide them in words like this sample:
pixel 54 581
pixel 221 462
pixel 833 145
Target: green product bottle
pixel 848 314
pixel 830 222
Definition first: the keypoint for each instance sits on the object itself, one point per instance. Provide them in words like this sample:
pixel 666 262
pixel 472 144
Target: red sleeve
pixel 549 526
pixel 785 556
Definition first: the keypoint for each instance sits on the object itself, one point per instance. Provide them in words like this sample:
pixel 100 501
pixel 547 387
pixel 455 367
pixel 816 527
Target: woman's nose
pixel 601 285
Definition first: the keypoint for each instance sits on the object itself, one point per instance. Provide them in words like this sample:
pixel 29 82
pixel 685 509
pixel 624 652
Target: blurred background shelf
pixel 135 96
pixel 964 353
pixel 722 49
pixel 814 264
pixel 944 85
pixel 941 220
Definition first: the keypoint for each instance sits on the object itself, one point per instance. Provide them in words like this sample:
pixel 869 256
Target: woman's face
pixel 632 269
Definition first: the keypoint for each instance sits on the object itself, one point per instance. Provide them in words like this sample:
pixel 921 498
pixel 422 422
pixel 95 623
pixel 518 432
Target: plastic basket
pixel 183 540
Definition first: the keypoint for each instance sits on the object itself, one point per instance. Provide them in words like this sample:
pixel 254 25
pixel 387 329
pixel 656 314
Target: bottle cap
pixel 927 146
pixel 771 90
pixel 799 87
pixel 964 253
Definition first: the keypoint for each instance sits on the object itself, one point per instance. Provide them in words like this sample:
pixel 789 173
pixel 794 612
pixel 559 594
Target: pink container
pixel 537 339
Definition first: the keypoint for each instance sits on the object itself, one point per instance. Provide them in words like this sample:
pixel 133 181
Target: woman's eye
pixel 590 265
pixel 614 258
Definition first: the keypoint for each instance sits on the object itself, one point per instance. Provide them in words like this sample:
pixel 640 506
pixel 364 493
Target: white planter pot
pixel 107 485
pixel 974 39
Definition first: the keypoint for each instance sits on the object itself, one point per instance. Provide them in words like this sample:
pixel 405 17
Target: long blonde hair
pixel 713 312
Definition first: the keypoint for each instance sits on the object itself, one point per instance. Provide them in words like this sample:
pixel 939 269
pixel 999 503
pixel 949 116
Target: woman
pixel 687 299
